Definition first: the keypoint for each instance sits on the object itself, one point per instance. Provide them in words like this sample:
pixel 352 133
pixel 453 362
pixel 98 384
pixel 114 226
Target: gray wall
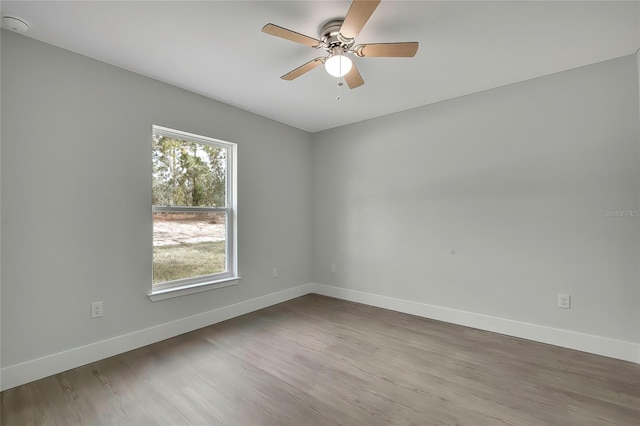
pixel 1 219
pixel 76 199
pixel 493 203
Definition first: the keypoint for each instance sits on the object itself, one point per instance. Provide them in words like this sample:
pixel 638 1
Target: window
pixel 194 214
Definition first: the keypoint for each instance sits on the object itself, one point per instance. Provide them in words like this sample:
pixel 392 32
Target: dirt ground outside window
pixel 172 232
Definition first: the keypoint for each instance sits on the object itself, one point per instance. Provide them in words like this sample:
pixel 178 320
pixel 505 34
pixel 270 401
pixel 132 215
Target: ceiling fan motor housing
pixel 330 35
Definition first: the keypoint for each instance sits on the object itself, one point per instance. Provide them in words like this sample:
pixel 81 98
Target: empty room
pixel 320 213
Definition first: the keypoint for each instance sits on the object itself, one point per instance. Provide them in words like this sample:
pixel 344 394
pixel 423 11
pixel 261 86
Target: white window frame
pixel 230 276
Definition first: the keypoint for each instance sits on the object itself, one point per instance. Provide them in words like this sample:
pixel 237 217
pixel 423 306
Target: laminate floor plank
pixel 321 361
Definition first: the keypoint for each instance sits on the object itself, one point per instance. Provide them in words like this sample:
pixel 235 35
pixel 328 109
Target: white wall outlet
pixel 333 268
pixel 564 301
pixel 97 310
pixel 274 273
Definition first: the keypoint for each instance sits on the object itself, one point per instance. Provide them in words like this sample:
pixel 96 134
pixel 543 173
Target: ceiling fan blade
pixel 303 69
pixel 358 15
pixel 290 35
pixel 353 78
pixel 387 50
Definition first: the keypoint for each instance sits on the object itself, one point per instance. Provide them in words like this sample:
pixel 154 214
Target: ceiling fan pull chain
pixel 338 81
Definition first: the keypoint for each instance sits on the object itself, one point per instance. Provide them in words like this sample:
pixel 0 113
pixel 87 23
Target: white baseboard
pixel 18 374
pixel 627 351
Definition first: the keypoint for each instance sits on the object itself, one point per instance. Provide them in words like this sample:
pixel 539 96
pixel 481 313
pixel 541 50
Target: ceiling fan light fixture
pixel 338 65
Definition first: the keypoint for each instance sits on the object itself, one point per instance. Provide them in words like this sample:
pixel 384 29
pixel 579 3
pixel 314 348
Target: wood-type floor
pixel 321 361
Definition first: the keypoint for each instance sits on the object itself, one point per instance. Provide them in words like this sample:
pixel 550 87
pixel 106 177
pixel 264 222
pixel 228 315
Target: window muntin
pixel 193 210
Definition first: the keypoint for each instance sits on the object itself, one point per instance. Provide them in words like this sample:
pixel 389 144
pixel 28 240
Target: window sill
pixel 169 293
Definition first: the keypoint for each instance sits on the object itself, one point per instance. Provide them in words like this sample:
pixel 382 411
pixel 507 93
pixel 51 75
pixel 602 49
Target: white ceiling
pixel 217 49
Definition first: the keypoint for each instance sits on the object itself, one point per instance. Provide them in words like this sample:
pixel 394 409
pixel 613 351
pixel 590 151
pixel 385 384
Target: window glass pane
pixel 187 173
pixel 187 245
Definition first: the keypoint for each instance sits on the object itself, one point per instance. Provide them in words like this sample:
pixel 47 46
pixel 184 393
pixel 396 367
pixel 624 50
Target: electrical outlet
pixel 97 310
pixel 333 268
pixel 274 273
pixel 564 301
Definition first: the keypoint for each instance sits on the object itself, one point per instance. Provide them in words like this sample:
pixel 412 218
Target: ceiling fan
pixel 337 38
